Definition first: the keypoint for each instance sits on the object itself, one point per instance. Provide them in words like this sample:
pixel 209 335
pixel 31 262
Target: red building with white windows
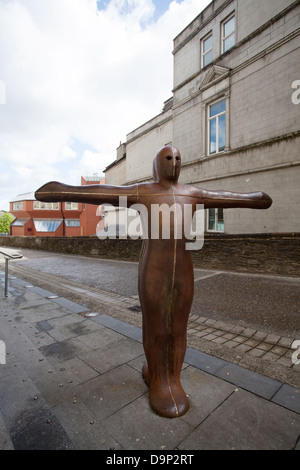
pixel 55 219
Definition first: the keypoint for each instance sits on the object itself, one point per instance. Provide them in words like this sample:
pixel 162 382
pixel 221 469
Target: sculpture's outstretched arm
pixel 226 199
pixel 91 194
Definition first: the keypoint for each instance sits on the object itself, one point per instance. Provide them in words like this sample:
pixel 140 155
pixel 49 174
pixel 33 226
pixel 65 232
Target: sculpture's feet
pixel 167 398
pixel 169 401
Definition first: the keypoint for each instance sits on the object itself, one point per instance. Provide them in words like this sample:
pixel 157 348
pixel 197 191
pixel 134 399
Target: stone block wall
pixel 275 254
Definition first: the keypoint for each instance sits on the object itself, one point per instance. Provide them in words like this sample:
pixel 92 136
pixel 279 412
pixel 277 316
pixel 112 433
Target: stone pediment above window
pixel 215 74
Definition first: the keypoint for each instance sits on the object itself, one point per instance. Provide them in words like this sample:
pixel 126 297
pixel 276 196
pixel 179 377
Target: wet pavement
pixel 72 377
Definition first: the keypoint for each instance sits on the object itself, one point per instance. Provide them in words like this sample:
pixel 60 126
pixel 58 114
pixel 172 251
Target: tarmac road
pixel 268 303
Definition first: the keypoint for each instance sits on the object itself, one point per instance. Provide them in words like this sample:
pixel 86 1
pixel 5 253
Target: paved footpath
pixel 72 380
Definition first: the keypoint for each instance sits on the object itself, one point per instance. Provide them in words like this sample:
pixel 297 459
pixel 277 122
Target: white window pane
pixel 229 42
pixel 229 26
pixel 207 58
pixel 220 224
pixel 217 108
pixel 71 205
pixel 211 219
pixel 46 225
pixel 215 220
pixel 19 222
pixel 73 223
pixel 207 44
pixel 213 136
pixel 222 132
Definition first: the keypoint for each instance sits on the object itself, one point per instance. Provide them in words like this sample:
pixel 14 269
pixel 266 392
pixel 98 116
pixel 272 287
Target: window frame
pixel 46 225
pixel 70 223
pixel 72 204
pixel 209 120
pixel 18 206
pixel 19 222
pixel 203 54
pixel 216 219
pixel 49 206
pixel 223 37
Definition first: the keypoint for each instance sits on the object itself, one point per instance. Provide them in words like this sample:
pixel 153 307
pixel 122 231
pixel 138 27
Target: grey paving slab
pixel 251 381
pixel 39 429
pixel 43 312
pixel 61 351
pixel 40 291
pixel 136 426
pixel 111 391
pixel 120 326
pixel 33 315
pixel 70 326
pixel 100 338
pixel 69 318
pixel 85 430
pixel 44 325
pixel 70 305
pixel 16 392
pixel 36 304
pixel 76 371
pixel 28 355
pixel 18 282
pixel 203 361
pixel 28 417
pixel 56 392
pixel 205 394
pixel 137 363
pixel 11 363
pixel 289 397
pixel 112 355
pixel 37 336
pixel 246 422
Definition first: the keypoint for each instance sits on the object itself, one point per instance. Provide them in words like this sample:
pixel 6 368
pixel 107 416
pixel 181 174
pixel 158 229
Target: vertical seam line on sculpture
pixel 172 287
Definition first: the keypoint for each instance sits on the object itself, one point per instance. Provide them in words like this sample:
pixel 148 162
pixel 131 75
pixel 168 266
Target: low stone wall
pixel 258 253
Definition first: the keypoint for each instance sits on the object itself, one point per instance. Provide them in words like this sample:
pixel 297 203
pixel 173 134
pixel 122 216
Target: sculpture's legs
pixel 166 302
pixel 167 397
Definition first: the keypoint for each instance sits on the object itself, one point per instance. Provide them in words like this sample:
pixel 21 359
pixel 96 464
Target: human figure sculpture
pixel 166 277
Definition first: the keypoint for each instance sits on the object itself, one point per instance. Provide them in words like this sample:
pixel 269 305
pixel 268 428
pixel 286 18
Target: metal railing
pixel 7 257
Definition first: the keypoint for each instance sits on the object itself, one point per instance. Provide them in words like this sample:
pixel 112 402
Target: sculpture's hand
pixel 263 200
pixel 51 192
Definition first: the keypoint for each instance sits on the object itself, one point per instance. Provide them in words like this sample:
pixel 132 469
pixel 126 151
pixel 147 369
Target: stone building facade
pixel 234 113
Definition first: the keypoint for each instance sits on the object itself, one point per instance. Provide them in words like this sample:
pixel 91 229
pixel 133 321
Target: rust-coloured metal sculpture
pixel 166 278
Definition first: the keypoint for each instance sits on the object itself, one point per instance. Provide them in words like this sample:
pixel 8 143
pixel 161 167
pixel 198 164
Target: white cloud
pixel 77 80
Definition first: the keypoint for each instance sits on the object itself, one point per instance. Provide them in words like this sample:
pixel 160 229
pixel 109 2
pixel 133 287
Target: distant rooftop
pixel 94 177
pixel 24 197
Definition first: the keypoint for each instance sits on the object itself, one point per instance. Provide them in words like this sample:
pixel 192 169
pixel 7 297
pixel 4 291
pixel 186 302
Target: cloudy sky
pixel 76 76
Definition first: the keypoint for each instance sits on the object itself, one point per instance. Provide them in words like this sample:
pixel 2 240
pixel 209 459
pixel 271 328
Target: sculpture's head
pixel 166 165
